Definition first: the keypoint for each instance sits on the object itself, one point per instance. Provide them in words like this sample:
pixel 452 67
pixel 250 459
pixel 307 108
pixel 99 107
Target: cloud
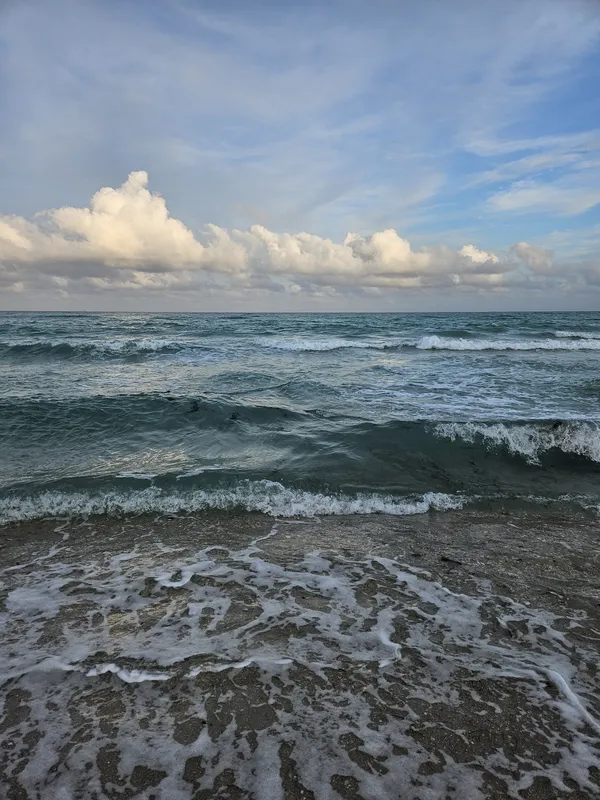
pixel 126 241
pixel 554 198
pixel 319 117
pixel 539 259
pixel 576 243
pixel 536 164
pixel 572 142
pixel 477 256
pixel 122 227
pixel 382 257
pixel 129 232
pixel 560 177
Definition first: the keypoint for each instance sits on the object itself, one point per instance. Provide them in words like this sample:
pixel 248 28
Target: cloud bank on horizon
pixel 461 143
pixel 126 240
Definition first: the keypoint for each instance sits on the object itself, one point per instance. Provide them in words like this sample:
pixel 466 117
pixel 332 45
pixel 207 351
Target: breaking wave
pixel 529 440
pixel 268 497
pixel 86 419
pixel 84 350
pixel 395 468
pixel 320 345
pixel 134 349
pixel 443 343
pixel 578 334
pixel 435 342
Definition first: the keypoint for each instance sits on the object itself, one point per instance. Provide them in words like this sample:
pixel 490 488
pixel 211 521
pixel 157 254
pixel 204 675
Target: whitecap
pixel 442 343
pixel 529 440
pixel 578 334
pixel 318 345
pixel 268 497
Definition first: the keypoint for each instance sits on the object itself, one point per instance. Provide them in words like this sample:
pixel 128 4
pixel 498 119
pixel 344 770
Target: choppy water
pixel 296 414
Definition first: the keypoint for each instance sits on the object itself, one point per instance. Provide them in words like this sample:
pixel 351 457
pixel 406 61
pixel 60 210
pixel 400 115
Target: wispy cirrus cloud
pixel 559 175
pixel 560 197
pixel 571 157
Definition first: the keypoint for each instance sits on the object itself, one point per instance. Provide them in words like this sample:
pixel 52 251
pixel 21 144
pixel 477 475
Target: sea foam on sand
pixel 356 657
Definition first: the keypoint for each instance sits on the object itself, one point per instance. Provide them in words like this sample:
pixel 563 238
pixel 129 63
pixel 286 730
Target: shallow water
pixel 449 655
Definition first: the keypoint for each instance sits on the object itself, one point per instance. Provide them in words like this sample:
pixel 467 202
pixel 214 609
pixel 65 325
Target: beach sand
pixel 446 655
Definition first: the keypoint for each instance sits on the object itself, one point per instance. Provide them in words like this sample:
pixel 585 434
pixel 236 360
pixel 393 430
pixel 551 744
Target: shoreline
pixel 446 654
pixel 438 540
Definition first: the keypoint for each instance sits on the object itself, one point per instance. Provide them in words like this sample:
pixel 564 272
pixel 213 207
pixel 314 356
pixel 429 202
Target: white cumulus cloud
pixel 477 256
pixel 122 227
pixel 127 241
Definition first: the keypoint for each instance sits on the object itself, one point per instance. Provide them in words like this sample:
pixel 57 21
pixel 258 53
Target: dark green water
pixel 296 414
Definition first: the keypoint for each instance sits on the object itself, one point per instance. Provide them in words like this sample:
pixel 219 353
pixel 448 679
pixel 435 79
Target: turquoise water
pixel 296 414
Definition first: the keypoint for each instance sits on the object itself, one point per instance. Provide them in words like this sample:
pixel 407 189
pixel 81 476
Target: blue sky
pixel 462 123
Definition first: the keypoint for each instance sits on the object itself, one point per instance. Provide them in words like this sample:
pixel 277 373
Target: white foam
pixel 443 343
pixel 317 345
pixel 127 675
pixel 530 440
pixel 346 657
pixel 138 476
pixel 119 345
pixel 385 628
pixel 559 681
pixel 578 334
pixel 195 471
pixel 192 473
pixel 268 497
pixel 265 663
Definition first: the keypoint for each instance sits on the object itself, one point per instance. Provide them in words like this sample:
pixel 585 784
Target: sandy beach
pixel 232 655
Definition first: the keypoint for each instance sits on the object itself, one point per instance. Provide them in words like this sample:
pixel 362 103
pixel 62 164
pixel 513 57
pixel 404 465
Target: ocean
pixel 299 555
pixel 296 414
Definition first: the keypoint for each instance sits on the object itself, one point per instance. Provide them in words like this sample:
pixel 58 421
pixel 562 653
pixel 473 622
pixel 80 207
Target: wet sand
pixel 451 655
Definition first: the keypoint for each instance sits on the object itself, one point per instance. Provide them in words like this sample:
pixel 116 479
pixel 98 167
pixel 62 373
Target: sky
pixel 253 155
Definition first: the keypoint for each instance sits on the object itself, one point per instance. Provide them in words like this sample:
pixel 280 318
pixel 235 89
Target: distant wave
pixel 319 345
pixel 267 497
pixel 134 349
pixel 578 334
pixel 86 349
pixel 433 342
pixel 529 440
pixel 442 343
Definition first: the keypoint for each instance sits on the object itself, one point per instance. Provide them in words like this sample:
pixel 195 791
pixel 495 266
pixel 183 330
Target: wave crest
pixel 578 334
pixel 435 342
pixel 442 343
pixel 268 497
pixel 323 345
pixel 86 349
pixel 529 440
